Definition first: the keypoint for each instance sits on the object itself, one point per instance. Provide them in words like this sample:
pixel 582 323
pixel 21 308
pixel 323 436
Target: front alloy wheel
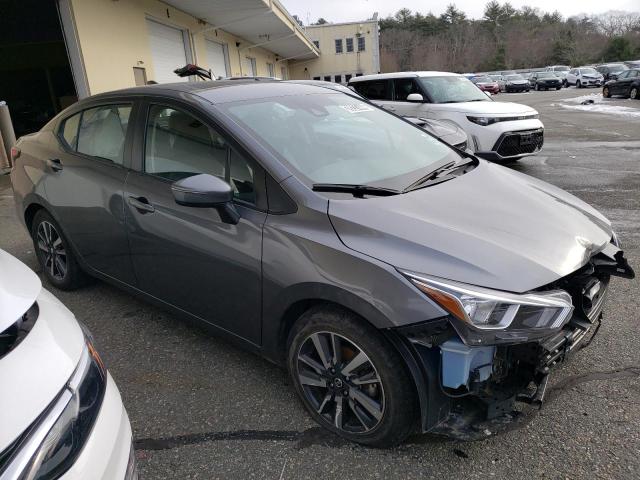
pixel 341 382
pixel 634 94
pixel 350 378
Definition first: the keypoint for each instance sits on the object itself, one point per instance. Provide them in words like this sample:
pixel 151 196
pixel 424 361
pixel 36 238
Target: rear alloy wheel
pixel 350 379
pixel 634 94
pixel 606 93
pixel 54 254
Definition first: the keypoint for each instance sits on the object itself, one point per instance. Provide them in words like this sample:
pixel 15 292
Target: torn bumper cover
pixel 475 383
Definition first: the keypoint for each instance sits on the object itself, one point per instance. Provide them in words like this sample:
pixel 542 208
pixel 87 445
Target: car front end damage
pixel 477 368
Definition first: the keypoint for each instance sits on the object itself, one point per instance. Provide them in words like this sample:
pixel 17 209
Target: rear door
pixel 185 256
pixel 86 180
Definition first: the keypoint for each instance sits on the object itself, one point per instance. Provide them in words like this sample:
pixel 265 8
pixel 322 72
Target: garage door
pixel 168 52
pixel 216 59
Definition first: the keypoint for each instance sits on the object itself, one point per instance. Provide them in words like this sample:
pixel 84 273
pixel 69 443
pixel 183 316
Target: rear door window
pixel 103 131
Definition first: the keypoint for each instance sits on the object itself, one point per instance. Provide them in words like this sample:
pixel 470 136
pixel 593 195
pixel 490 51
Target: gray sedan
pixel 406 285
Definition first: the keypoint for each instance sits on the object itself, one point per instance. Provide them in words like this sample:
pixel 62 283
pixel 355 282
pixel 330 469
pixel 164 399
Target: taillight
pixel 15 153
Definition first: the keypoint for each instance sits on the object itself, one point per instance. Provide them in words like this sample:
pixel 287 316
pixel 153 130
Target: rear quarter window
pixel 68 131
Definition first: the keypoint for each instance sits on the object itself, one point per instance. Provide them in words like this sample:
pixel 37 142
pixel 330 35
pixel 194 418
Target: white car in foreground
pixel 61 416
pixel 497 131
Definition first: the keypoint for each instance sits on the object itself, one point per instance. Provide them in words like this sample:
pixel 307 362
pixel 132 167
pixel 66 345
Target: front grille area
pixel 520 143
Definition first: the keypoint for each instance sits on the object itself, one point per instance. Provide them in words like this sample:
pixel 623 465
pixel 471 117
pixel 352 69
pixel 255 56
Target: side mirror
pixel 206 191
pixel 415 97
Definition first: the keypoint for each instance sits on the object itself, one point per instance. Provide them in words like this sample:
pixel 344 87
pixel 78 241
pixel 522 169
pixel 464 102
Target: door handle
pixel 55 164
pixel 141 204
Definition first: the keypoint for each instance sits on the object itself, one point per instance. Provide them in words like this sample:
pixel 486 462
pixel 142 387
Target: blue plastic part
pixel 459 360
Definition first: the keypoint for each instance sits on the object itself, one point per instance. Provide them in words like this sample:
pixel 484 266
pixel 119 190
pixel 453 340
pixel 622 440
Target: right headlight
pixel 483 316
pixel 58 438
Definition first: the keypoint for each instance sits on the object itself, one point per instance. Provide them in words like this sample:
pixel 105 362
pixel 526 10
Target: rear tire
pixel 54 253
pixel 373 403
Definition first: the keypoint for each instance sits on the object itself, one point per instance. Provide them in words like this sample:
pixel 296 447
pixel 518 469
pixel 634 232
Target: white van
pixel 497 131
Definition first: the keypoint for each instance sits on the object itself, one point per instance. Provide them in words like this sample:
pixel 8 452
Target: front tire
pixel 350 379
pixel 634 94
pixel 578 84
pixel 54 253
pixel 606 93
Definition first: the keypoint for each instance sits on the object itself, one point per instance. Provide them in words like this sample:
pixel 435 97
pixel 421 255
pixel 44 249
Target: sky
pixel 353 10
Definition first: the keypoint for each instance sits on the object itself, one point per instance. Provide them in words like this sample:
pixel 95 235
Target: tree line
pixel 504 38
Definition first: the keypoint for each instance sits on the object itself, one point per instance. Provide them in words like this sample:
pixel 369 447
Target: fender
pixel 280 313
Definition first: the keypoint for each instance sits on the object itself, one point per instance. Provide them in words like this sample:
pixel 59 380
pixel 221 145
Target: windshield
pixel 561 69
pixel 588 71
pixel 546 75
pixel 482 80
pixel 452 90
pixel 617 68
pixel 335 138
pixel 514 77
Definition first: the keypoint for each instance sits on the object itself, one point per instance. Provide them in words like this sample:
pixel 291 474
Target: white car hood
pixel 36 370
pixel 485 108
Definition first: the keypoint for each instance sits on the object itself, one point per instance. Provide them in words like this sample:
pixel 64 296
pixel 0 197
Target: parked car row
pixel 272 212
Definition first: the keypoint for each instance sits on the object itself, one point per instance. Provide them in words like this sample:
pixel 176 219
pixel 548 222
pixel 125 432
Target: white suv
pixel 584 77
pixel 497 131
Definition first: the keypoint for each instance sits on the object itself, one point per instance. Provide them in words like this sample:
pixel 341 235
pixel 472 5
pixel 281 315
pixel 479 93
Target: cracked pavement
pixel 202 409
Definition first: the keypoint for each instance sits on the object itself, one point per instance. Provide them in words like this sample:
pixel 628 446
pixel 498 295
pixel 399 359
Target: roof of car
pixel 223 91
pixel 384 76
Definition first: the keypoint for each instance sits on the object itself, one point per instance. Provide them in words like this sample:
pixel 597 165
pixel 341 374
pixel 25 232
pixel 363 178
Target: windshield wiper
pixel 358 191
pixel 436 176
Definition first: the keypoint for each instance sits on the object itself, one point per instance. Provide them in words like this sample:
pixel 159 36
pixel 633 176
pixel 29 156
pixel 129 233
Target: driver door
pixel 189 257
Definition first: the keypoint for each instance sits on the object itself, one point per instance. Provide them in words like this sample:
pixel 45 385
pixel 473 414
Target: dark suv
pixel 329 236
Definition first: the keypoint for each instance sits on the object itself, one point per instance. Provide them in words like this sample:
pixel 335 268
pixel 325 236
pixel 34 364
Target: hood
pixel 34 372
pixel 492 227
pixel 450 133
pixel 488 107
pixel 19 287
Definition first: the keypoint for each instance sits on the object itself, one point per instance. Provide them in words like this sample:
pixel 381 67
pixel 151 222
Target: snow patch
pixel 595 102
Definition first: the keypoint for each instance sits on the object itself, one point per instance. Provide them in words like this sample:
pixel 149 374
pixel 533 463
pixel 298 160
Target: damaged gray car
pixel 405 284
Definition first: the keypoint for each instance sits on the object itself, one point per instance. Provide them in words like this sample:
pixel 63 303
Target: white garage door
pixel 216 59
pixel 168 52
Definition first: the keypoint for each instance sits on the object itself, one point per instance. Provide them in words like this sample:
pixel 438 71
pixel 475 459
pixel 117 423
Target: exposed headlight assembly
pixel 58 436
pixel 483 316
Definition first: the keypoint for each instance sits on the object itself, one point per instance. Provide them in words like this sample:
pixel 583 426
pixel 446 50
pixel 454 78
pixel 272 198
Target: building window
pixel 361 44
pixel 271 70
pixel 349 45
pixel 316 78
pixel 316 43
pixel 347 77
pixel 327 78
pixel 338 45
pixel 337 78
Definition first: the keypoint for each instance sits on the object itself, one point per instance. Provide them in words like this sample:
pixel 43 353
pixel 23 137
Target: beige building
pixel 346 50
pixel 75 48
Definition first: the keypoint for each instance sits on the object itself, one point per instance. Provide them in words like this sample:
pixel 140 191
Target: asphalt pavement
pixel 201 408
